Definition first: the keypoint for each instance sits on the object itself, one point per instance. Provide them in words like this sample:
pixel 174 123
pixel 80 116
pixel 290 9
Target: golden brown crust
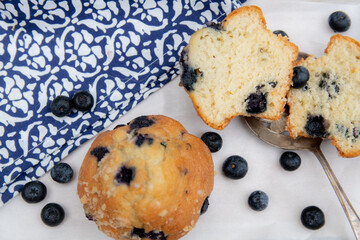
pixel 245 9
pixel 342 153
pixel 339 37
pixel 173 176
pixel 204 117
pixel 279 108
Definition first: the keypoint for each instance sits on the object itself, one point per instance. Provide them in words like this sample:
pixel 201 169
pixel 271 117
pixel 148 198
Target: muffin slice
pixel 328 105
pixel 238 67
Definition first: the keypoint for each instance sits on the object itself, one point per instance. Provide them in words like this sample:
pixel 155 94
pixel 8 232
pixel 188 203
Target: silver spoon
pixel 274 133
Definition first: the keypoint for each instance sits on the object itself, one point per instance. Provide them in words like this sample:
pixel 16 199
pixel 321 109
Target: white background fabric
pixel 228 216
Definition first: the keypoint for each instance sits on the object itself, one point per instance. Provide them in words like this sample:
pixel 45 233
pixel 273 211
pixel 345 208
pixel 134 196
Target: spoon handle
pixel 348 208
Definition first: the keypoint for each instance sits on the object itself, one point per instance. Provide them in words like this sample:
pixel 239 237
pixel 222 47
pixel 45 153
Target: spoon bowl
pixel 266 132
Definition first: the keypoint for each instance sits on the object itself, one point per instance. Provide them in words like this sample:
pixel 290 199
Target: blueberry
pixel 141 138
pixel 34 192
pixel 287 109
pixel 315 126
pixel 290 161
pixel 189 75
pixel 213 25
pixel 235 167
pixel 156 235
pixel 355 132
pixel 258 200
pixel 256 103
pixel 328 84
pixel 124 175
pixel 323 84
pixel 259 87
pixel 61 173
pixel 188 78
pixel 205 206
pixel 163 144
pixel 99 152
pixel 273 84
pixel 90 217
pixel 61 106
pixel 212 140
pixel 140 232
pixel 281 32
pixel 312 217
pixel 52 214
pixel 300 77
pixel 82 101
pixel 141 122
pixel 339 21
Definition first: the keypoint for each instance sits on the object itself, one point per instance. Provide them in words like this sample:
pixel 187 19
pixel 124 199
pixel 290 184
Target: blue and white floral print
pixel 120 51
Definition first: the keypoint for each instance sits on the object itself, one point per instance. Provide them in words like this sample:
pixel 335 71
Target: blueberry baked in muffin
pixel 327 106
pixel 149 179
pixel 238 67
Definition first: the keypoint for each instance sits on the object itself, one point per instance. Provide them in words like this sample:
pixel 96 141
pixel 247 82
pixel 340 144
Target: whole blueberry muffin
pixel 146 180
pixel 327 106
pixel 238 67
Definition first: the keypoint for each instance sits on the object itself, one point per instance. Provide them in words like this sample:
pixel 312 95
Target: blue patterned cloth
pixel 120 51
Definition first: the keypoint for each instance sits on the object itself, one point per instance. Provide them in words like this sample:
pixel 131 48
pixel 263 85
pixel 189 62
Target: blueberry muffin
pixel 237 67
pixel 146 180
pixel 328 105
